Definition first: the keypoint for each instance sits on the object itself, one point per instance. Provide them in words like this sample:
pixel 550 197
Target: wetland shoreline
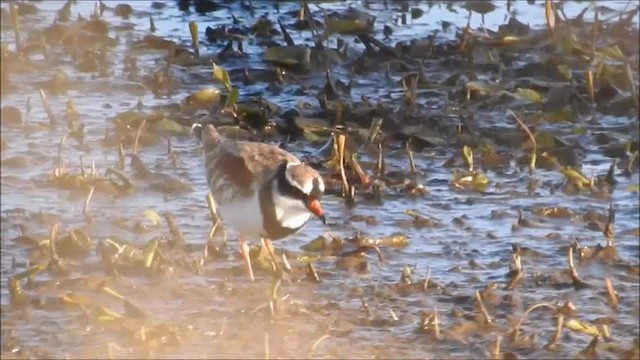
pixel 481 163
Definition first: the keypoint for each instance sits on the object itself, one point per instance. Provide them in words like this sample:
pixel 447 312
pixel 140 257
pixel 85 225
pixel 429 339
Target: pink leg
pixel 267 244
pixel 244 249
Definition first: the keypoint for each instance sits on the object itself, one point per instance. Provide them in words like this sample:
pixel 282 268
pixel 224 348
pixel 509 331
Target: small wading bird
pixel 260 190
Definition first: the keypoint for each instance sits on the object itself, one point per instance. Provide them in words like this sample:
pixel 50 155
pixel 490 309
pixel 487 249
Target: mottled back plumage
pixel 239 163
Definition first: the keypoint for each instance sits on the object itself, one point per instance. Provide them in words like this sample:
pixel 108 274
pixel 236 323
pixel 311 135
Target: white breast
pixel 243 215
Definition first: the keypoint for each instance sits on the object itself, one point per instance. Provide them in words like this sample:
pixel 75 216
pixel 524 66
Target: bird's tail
pixel 207 135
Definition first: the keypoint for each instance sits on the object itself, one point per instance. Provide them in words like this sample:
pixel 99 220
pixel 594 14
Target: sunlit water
pixel 440 249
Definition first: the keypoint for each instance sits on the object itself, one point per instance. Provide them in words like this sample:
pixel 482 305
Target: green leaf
pixel 30 272
pixel 574 176
pixel 288 55
pixel 312 137
pixel 470 180
pixel 81 239
pixel 341 26
pixel 204 97
pixel 481 87
pixel 153 216
pixel 586 328
pixel 305 259
pixel 105 314
pixel 633 188
pixel 193 29
pixel 529 94
pixel 315 245
pixel 222 75
pixel 612 52
pixel 112 292
pixel 565 71
pixel 232 99
pixel 149 252
pixel 468 156
pixel 563 115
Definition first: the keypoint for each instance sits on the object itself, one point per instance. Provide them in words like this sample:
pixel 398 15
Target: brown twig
pixel 575 278
pixel 393 315
pixel 285 262
pixel 53 239
pixel 609 229
pixel 362 175
pixel 85 208
pixel 517 263
pixel 436 323
pixel 312 274
pixel 120 157
pixel 516 329
pixel 365 306
pixel 272 257
pixel 15 19
pixel 47 108
pixel 611 294
pixel 315 345
pixel 135 142
pixel 223 326
pixel 495 349
pixel 556 337
pixel 380 168
pixel 345 183
pixel 590 352
pixel 426 281
pixel 62 141
pixel 412 163
pixel 532 164
pixel 374 129
pixel 483 308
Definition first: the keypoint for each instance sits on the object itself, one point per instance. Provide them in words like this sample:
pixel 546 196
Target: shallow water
pixel 219 314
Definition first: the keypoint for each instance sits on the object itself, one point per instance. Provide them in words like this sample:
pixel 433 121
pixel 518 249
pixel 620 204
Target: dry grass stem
pixel 53 239
pixel 426 281
pixel 483 308
pixel 345 183
pixel 556 337
pixel 85 208
pixel 573 272
pixel 612 295
pixel 135 143
pixel 312 274
pixel 534 151
pixel 60 161
pixel 47 108
pixel 365 306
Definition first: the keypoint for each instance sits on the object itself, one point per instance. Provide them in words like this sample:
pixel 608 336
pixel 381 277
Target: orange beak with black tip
pixel 316 209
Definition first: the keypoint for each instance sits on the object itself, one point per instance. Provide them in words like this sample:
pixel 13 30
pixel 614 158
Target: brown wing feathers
pixel 234 169
pixel 237 162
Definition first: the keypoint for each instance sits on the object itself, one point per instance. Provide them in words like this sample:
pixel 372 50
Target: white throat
pixel 290 213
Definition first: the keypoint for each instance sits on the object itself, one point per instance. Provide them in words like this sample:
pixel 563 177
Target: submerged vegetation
pixel 482 183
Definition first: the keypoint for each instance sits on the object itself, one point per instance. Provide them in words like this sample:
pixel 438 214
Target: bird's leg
pixel 244 250
pixel 271 250
pixel 267 245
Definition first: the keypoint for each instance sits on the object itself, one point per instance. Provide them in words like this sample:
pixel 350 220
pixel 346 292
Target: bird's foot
pixel 244 250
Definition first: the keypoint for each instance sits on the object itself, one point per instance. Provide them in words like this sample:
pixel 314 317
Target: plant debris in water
pixel 482 179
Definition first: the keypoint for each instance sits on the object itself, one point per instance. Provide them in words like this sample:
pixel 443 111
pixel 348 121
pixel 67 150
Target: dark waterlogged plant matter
pixel 482 180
